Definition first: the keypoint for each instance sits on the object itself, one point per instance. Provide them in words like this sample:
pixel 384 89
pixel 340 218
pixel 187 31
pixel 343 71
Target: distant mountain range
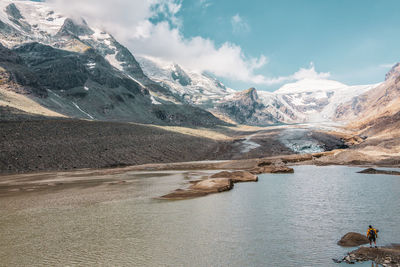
pixel 303 101
pixel 80 71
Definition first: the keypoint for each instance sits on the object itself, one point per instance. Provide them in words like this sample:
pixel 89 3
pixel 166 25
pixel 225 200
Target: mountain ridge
pixel 84 72
pixel 113 84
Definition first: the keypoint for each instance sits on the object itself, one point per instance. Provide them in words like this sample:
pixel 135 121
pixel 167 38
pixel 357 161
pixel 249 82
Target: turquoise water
pixel 283 220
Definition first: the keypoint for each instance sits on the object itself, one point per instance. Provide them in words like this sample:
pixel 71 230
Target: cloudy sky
pixel 262 43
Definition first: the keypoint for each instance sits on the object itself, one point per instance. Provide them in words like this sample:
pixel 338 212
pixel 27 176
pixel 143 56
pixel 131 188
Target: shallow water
pixel 283 220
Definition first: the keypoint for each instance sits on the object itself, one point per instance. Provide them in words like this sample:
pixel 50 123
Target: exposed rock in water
pixel 375 171
pixel 237 176
pixel 213 185
pixel 386 256
pixel 271 167
pixel 352 240
pixel 219 182
pixel 202 188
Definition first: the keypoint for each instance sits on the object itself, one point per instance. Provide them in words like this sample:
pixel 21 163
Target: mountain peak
pixel 250 93
pixel 76 28
pixel 309 85
pixel 394 72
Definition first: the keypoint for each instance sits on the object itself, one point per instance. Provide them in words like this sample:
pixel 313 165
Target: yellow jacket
pixel 369 232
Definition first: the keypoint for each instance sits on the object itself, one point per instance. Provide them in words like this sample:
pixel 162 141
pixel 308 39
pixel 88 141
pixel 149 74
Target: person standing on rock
pixel 372 235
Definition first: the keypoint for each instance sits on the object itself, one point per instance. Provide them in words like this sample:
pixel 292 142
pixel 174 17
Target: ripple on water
pixel 283 220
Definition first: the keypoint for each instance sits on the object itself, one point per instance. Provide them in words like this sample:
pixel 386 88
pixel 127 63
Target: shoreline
pixel 49 180
pixel 30 144
pixel 235 164
pixel 35 145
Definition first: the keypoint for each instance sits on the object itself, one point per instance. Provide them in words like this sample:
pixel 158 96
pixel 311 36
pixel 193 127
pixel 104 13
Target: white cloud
pixel 310 73
pixel 239 25
pixel 130 21
pixel 301 74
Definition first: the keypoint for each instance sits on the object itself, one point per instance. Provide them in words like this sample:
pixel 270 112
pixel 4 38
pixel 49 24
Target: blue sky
pixel 258 43
pixel 352 40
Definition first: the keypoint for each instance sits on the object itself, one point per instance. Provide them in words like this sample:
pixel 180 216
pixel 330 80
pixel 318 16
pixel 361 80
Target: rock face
pixel 352 240
pixel 237 176
pixel 246 108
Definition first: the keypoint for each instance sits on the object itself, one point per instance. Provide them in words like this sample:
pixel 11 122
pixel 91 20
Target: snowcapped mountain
pixel 315 100
pixel 303 101
pixel 81 71
pixel 192 87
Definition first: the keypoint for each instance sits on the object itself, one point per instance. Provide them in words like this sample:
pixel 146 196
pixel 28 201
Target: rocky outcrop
pixel 375 171
pixel 74 28
pixel 202 188
pixel 218 182
pixel 180 75
pixel 352 240
pixel 272 169
pixel 237 176
pixel 277 166
pixel 246 108
pixel 213 185
pixel 388 256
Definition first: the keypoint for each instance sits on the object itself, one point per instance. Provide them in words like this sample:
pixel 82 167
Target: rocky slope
pixel 82 72
pixel 302 101
pixel 35 143
pixel 190 87
pixel 247 108
pixel 378 110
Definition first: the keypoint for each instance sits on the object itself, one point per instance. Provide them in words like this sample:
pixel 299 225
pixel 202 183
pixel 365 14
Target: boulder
pixel 237 176
pixel 352 240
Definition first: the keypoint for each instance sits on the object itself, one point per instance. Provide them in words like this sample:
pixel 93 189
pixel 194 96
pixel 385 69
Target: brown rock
pixel 237 176
pixel 184 194
pixel 375 171
pixel 389 255
pixel 272 169
pixel 213 185
pixel 352 240
pixel 202 188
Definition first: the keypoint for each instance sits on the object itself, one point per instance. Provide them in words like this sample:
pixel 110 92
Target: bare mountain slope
pixel 83 72
pixel 376 110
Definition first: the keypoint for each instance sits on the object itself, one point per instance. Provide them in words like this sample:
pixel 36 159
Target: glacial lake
pixel 282 220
